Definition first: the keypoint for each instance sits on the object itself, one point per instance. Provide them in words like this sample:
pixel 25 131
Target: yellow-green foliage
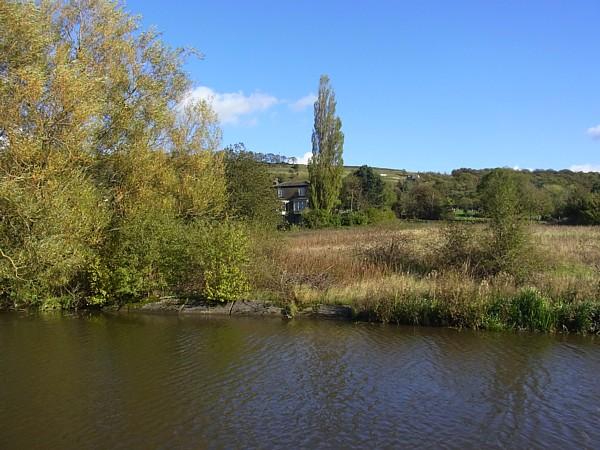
pixel 224 257
pixel 155 254
pixel 111 186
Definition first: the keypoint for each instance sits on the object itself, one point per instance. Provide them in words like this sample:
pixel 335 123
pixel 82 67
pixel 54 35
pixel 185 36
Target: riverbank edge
pixel 274 309
pixel 582 320
pixel 246 308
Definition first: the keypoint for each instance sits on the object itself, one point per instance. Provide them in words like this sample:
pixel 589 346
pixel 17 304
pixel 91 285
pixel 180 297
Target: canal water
pixel 139 381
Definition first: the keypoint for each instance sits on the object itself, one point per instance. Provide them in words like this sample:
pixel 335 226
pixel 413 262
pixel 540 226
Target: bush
pixel 531 311
pixel 580 317
pixel 508 248
pixel 379 215
pixel 222 255
pixel 460 249
pixel 251 195
pixel 349 218
pixel 320 218
pixel 583 208
pixel 49 235
pixel 155 254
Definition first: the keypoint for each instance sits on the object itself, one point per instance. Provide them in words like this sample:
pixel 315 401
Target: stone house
pixel 293 196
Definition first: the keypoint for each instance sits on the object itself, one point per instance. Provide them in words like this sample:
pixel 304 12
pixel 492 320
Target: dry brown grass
pixel 569 244
pixel 334 266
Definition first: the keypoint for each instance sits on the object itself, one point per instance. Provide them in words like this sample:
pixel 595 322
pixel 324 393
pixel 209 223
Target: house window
pixel 302 191
pixel 279 192
pixel 299 205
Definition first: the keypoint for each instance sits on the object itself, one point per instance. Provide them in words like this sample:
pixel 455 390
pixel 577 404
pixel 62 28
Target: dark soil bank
pixel 245 308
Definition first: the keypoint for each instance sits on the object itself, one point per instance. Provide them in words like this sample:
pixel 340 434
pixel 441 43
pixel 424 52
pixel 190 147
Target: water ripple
pixel 141 381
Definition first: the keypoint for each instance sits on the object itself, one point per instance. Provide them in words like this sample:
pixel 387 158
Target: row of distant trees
pixel 267 158
pixel 559 196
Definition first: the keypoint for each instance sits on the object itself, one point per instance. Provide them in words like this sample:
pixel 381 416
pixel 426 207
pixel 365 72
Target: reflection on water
pixel 150 381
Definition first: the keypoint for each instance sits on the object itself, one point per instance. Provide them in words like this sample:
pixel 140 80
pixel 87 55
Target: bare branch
pixel 4 255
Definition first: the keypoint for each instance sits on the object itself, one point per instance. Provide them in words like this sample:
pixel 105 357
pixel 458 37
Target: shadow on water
pixel 163 381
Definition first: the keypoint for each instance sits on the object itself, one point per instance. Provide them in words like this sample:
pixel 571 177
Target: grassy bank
pixel 395 273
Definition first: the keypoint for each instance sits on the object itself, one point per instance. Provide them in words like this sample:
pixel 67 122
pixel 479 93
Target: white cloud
pixel 585 168
pixel 302 103
pixel 232 106
pixel 594 132
pixel 305 158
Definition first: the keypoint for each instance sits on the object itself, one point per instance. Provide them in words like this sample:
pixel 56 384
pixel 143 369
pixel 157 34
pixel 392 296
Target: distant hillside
pixel 288 172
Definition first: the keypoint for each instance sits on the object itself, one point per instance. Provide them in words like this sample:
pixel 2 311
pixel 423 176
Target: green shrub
pixel 320 218
pixel 49 235
pixel 290 309
pixel 486 252
pixel 155 254
pixel 350 218
pixel 579 317
pixel 530 310
pixel 379 215
pixel 415 310
pixel 222 260
pixel 146 254
pixel 251 196
pixel 508 244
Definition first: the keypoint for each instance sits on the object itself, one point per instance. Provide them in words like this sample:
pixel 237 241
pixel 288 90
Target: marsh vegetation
pixel 439 274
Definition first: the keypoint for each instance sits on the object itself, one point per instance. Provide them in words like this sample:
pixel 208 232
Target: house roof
pixel 292 184
pixel 291 190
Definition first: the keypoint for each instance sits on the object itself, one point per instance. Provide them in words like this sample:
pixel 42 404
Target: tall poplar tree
pixel 326 165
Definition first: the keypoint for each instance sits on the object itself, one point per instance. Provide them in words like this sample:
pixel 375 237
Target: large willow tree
pixel 326 167
pixel 108 186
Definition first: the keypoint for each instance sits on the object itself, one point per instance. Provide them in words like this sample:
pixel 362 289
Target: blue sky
pixel 421 85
